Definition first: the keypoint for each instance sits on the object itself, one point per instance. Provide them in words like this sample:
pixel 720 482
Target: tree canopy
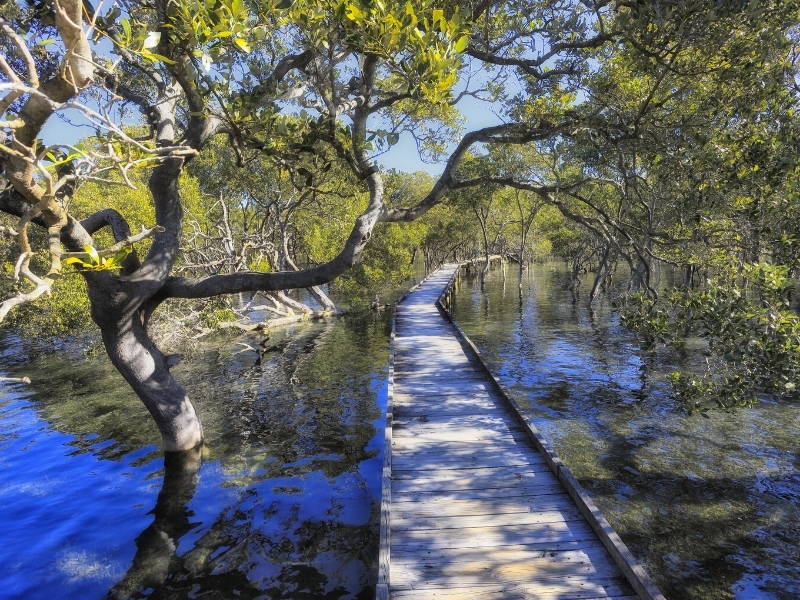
pixel 664 130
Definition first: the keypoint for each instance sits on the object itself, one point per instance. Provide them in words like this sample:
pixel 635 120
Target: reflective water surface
pixel 283 503
pixel 710 506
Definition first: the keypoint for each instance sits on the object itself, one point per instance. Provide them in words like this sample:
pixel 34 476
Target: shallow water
pixel 710 506
pixel 284 503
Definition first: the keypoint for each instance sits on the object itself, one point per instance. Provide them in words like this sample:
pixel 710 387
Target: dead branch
pixel 14 380
pixel 8 232
pixel 112 250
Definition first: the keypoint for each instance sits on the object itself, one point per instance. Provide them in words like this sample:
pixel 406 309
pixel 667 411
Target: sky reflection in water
pixel 284 503
pixel 710 506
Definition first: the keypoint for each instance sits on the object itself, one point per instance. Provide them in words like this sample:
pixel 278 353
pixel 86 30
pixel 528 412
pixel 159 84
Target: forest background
pixel 245 140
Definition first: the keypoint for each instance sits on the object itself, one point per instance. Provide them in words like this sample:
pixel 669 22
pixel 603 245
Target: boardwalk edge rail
pixel 633 571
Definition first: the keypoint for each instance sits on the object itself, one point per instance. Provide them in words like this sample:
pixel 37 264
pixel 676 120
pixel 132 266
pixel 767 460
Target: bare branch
pixel 102 122
pixel 14 380
pixel 30 64
pixel 112 250
pixel 512 133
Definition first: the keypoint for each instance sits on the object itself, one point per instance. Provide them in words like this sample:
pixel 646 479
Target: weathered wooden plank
pixel 494 420
pixel 444 347
pixel 505 519
pixel 470 485
pixel 450 558
pixel 436 373
pixel 432 364
pixel 521 591
pixel 429 461
pixel 508 570
pixel 467 482
pixel 407 410
pixel 412 551
pixel 444 496
pixel 434 404
pixel 529 593
pixel 582 585
pixel 496 473
pixel 435 338
pixel 456 448
pixel 445 397
pixel 443 432
pixel 463 448
pixel 426 437
pixel 453 387
pixel 567 550
pixel 485 506
pixel 483 593
pixel 489 537
pixel 410 360
pixel 503 475
pixel 441 380
pixel 422 447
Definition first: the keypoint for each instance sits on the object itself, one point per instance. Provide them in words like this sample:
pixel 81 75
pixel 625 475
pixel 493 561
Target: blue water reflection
pixel 284 502
pixel 710 506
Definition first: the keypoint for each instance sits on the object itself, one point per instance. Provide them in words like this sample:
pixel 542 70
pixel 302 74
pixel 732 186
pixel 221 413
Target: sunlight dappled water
pixel 710 506
pixel 284 503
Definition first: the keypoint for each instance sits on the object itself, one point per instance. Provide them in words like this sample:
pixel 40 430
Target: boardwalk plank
pixel 433 418
pixel 486 506
pixel 585 584
pixel 427 404
pixel 431 461
pixel 505 519
pixel 448 557
pixel 444 496
pixel 522 591
pixel 503 474
pixel 419 437
pixel 440 432
pixel 466 482
pixel 431 573
pixel 489 537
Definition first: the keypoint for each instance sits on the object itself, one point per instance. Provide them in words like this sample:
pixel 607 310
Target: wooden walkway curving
pixel 474 503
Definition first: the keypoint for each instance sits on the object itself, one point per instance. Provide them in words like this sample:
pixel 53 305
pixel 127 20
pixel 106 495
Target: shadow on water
pixel 710 506
pixel 283 504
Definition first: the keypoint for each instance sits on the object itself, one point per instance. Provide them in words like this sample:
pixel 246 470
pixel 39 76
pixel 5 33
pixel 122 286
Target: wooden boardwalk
pixel 474 503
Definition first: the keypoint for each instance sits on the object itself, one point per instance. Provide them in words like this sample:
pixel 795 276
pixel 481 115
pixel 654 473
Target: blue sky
pixel 71 126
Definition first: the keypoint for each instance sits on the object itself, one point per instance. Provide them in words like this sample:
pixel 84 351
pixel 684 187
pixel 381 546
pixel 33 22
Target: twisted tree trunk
pixel 121 308
pixel 145 369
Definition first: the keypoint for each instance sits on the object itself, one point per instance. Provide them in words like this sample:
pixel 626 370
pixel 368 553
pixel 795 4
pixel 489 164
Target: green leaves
pixel 461 44
pixel 237 8
pixel 140 41
pixel 383 138
pixel 419 43
pixel 213 28
pixel 94 262
pixel 752 335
